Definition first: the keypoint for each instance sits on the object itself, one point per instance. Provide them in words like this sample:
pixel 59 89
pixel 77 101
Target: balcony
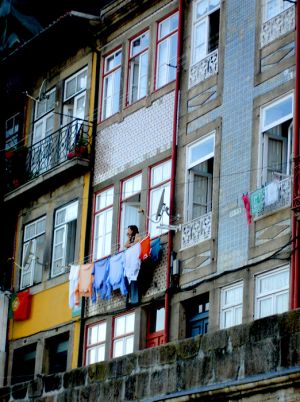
pixel 270 198
pixel 278 26
pixel 204 69
pixel 60 152
pixel 196 231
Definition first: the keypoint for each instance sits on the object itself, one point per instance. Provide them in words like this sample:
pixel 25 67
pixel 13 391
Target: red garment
pixel 145 248
pixel 21 306
pixel 85 281
pixel 246 200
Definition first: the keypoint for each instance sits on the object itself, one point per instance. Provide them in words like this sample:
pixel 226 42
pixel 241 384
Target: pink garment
pixel 246 200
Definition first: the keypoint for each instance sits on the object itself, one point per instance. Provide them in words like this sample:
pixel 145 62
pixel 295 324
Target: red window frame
pixel 113 337
pixel 86 346
pixel 104 75
pixel 155 338
pixel 158 41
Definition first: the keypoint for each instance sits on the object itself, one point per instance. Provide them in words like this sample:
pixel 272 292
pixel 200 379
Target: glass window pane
pixel 228 318
pixel 93 335
pixel 238 315
pixel 265 307
pixel 160 319
pixel 60 217
pixel 118 348
pixel 129 323
pixel 81 81
pixel 71 211
pixel 282 303
pixel 202 150
pixel 129 344
pixel 70 87
pixel 162 64
pixel 91 356
pixel 120 326
pixel 278 112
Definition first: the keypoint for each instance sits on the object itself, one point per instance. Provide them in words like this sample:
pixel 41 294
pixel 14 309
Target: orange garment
pixel 145 248
pixel 85 281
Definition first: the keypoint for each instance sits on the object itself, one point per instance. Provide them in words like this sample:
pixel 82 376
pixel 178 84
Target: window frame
pixel 88 347
pixel 284 290
pixel 97 213
pixel 155 338
pixel 15 137
pixel 105 75
pixel 123 336
pixel 159 41
pixel 230 306
pixel 281 6
pixel 146 50
pixel 56 228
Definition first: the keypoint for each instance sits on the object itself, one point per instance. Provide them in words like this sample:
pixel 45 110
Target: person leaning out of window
pixel 133 236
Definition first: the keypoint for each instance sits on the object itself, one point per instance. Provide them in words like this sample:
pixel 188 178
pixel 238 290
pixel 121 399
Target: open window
pixel 64 238
pixel 23 365
pixel 33 253
pixel 155 326
pixel 56 353
pixel 277 133
pixel 130 205
pixel 206 22
pixel 200 164
pixel 138 67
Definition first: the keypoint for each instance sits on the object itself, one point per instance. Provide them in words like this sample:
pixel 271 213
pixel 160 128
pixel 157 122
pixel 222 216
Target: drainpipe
pixel 173 172
pixel 294 298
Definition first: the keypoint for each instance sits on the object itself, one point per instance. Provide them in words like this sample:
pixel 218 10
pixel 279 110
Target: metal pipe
pixel 173 172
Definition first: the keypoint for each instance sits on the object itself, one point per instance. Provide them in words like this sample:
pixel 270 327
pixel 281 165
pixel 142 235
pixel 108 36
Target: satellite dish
pixel 28 254
pixel 160 206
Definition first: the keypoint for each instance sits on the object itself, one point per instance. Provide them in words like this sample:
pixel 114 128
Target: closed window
pixel 95 343
pixel 123 335
pixel 111 84
pixel 33 253
pixel 56 353
pixel 206 21
pixel 64 238
pixel 166 63
pixel 272 292
pixel 130 205
pixel 231 305
pixel 12 131
pixel 138 67
pixel 200 164
pixel 276 141
pixel 103 223
pixel 159 190
pixel 273 7
pixel 23 365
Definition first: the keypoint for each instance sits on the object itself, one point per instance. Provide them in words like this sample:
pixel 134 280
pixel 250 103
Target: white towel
pixel 132 262
pixel 73 278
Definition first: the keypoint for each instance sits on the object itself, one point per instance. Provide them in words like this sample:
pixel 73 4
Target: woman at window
pixel 133 236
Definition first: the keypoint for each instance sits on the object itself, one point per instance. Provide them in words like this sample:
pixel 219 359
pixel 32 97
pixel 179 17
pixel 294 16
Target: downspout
pixel 173 172
pixel 294 298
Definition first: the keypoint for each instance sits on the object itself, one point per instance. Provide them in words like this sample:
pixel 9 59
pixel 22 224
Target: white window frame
pixel 264 138
pixel 169 72
pixel 103 211
pixel 33 264
pixel 156 188
pixel 192 163
pixel 76 77
pixel 71 209
pixel 138 59
pixel 279 4
pixel 125 337
pixel 99 345
pixel 234 307
pixel 261 296
pixel 107 107
pixel 197 21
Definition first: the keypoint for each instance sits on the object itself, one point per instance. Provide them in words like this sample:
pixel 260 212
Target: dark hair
pixel 134 229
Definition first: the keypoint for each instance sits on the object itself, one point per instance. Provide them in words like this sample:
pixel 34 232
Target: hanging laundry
pixel 115 279
pixel 84 287
pixel 271 193
pixel 156 252
pixel 257 201
pixel 133 294
pixel 246 201
pixel 145 248
pixel 100 274
pixel 73 278
pixel 132 262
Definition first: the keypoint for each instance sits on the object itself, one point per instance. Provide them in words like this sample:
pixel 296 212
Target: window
pixel 56 353
pixel 272 293
pixel 277 132
pixel 205 36
pixel 155 327
pixel 103 223
pixel 23 365
pixel 64 238
pixel 197 316
pixel 111 84
pixel 33 253
pixel 231 305
pixel 123 335
pixel 159 182
pixel 200 163
pixel 273 7
pixel 166 63
pixel 130 205
pixel 138 67
pixel 12 131
pixel 95 343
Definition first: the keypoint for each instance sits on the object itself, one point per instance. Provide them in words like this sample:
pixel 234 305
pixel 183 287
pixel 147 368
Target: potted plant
pixel 80 149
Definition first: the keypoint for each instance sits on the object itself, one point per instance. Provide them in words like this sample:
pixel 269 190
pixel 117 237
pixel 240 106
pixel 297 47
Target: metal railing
pixel 196 231
pixel 26 163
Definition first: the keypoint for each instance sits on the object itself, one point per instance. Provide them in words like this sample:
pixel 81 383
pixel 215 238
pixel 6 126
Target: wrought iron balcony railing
pixel 196 231
pixel 27 163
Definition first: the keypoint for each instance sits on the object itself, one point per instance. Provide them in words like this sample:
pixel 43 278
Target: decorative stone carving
pixel 204 69
pixel 278 26
pixel 196 231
